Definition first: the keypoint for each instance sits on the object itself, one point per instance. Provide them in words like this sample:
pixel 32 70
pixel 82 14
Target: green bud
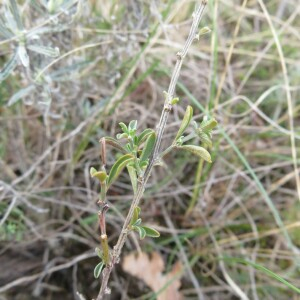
pixel 175 101
pixel 204 30
pixel 100 175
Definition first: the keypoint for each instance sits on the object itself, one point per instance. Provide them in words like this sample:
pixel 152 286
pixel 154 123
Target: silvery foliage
pixel 25 31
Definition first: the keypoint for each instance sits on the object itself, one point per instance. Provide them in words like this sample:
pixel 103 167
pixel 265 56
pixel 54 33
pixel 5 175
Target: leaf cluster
pixel 135 155
pixel 136 225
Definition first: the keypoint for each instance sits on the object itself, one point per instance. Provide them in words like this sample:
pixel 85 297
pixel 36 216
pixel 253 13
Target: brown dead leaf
pixel 149 269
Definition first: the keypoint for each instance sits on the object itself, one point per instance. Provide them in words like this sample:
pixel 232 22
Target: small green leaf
pixel 47 51
pixel 118 167
pixel 100 175
pixel 137 222
pixel 151 232
pixel 133 177
pixel 124 127
pixel 122 136
pixel 8 67
pixel 5 31
pixel 179 141
pixel 142 137
pixel 204 138
pixel 99 252
pixel 114 143
pixel 135 216
pixel 185 122
pixel 132 125
pixel 22 53
pixel 148 147
pixel 208 124
pixel 54 5
pixel 93 171
pixel 144 164
pixel 16 13
pixel 141 231
pixel 128 148
pixel 197 150
pixel 20 94
pixel 98 269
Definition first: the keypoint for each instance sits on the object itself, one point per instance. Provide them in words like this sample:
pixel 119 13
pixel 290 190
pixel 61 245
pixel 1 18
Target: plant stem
pixel 103 237
pixel 155 154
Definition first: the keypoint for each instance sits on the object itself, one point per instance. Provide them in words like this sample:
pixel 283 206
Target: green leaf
pixel 124 127
pixel 185 122
pixel 114 143
pixel 128 147
pixel 135 216
pixel 20 94
pixel 148 147
pixel 54 5
pixel 9 67
pixel 118 167
pixel 4 30
pixel 48 51
pixel 93 171
pixel 22 53
pixel 144 164
pixel 15 11
pixel 208 124
pixel 197 150
pixel 141 231
pixel 99 252
pixel 144 135
pixel 137 222
pixel 98 269
pixel 132 125
pixel 122 136
pixel 151 232
pixel 133 177
pixel 204 138
pixel 100 175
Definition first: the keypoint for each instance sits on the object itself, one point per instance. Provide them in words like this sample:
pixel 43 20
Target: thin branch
pixel 155 154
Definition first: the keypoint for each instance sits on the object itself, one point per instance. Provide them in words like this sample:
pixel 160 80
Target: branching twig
pixel 155 154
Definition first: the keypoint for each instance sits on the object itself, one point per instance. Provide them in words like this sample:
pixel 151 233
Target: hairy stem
pixel 155 154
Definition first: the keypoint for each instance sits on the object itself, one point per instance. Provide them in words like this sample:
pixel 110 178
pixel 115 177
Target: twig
pixel 155 154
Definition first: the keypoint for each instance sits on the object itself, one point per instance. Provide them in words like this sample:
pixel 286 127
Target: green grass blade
pixel 263 269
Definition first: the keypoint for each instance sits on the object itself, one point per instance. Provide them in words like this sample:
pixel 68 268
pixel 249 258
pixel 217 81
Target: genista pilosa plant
pixel 140 152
